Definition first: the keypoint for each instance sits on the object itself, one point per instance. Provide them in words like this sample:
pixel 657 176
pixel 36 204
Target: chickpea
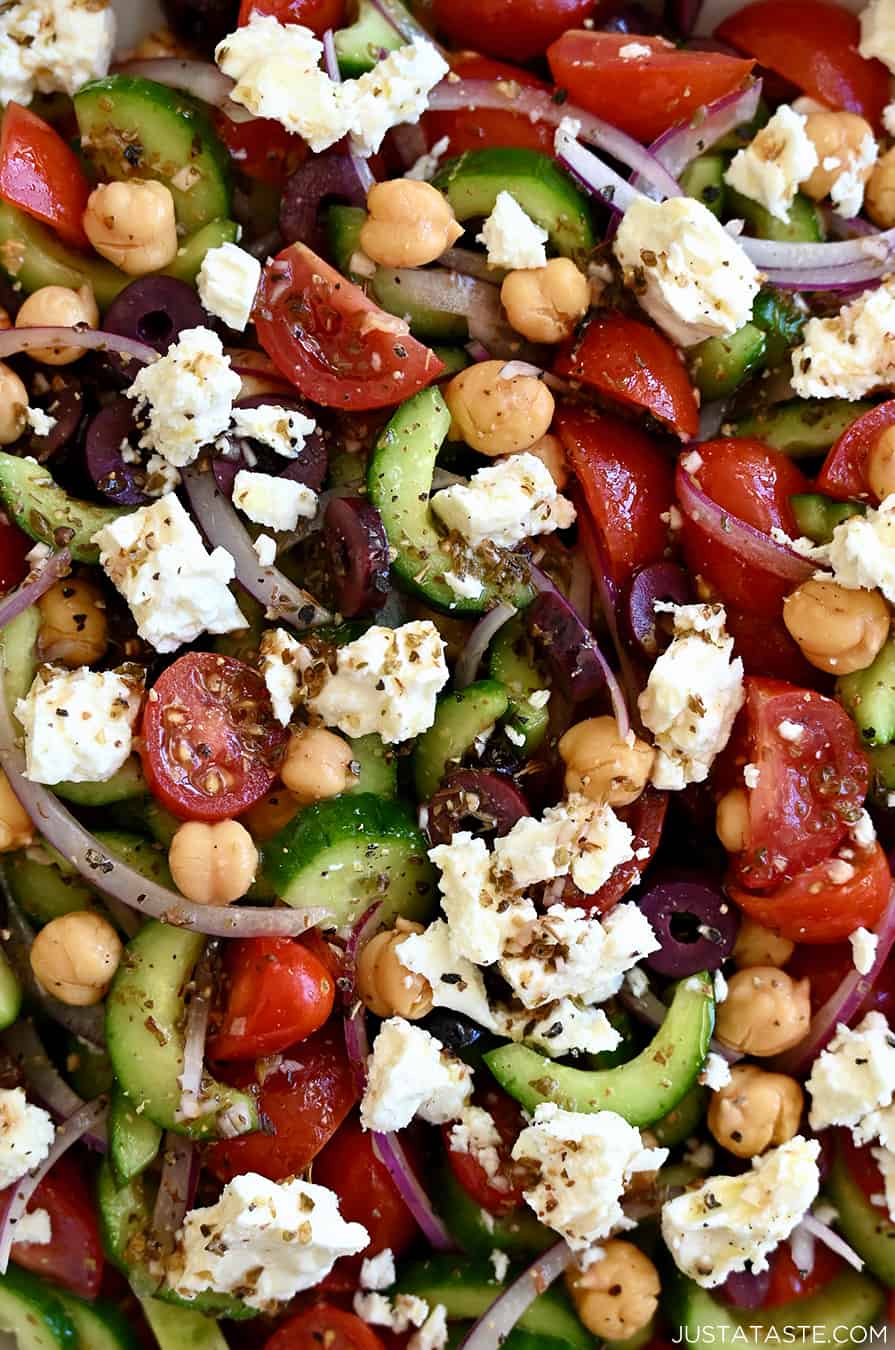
pixel 386 987
pixel 317 764
pixel 755 1110
pixel 75 957
pixel 73 624
pixel 58 307
pixel 765 1012
pixel 758 946
pixel 409 223
pixel 498 416
pixel 601 765
pixel 545 303
pixel 838 136
pixel 838 630
pixel 16 830
pixel 549 450
pixel 732 820
pixel 133 225
pixel 881 464
pixel 879 195
pixel 213 864
pixel 13 405
pixel 618 1295
pixel 268 816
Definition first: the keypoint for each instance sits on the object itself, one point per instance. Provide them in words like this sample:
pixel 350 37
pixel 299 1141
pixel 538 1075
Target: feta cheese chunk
pixel 53 46
pixel 26 1134
pixel 578 836
pixel 688 272
pixel 385 682
pixel 265 550
pixel 455 982
pixel 854 1076
pixel 475 1133
pixel 227 282
pixel 715 1230
pixel 186 397
pixel 399 1316
pixel 79 723
pixel 852 353
pixel 847 192
pixel 878 32
pixel 512 238
pixel 283 429
pixel 564 1027
pixel 585 1162
pixel 692 696
pixel 715 1072
pixel 511 500
pixel 378 1272
pixel 394 93
pixel 263 1240
pixel 862 551
pixel 482 918
pixel 411 1074
pixel 175 590
pixel 35 1228
pixel 283 664
pixel 771 167
pixel 863 947
pixel 278 503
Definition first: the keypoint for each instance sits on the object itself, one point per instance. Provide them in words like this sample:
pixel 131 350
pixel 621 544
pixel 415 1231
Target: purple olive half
pixel 693 920
pixel 65 403
pixel 569 648
pixel 155 311
pixel 308 466
pixel 357 546
pixel 663 581
pixel 330 177
pixel 485 803
pixel 114 477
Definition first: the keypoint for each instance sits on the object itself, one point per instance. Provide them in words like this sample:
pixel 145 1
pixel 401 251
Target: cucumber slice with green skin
pixel 99 1325
pixel 460 718
pixel 683 1120
pixel 144 1032
pixel 718 366
pixel 467 1289
pixel 341 851
pixel 781 320
pixel 473 181
pixel 134 1140
pixel 376 766
pixel 135 128
pixel 41 891
pixel 128 782
pixel 870 1232
pixel 882 779
pixel 192 251
pixel 512 660
pixel 435 325
pixel 10 993
pixel 18 654
pixel 868 696
pixel 518 1233
pixel 178 1328
pixel 741 136
pixel 47 513
pixel 142 854
pixel 455 359
pixel 644 1090
pixel 817 516
pixel 359 47
pixel 805 225
pixel 88 1069
pixel 30 1309
pixel 343 227
pixel 32 256
pixel 848 1302
pixel 703 179
pixel 399 482
pixel 802 428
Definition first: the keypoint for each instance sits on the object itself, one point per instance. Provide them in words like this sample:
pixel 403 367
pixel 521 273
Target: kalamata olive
pixel 109 430
pixel 154 310
pixel 744 1289
pixel 696 925
pixel 64 402
pixel 322 178
pixel 309 465
pixel 663 581
pixel 628 18
pixel 357 547
pixel 485 803
pixel 202 23
pixel 569 648
pixel 454 1030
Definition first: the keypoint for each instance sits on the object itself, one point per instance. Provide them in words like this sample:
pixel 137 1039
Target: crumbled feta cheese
pixel 715 1072
pixel 53 46
pixel 394 93
pixel 790 731
pixel 283 663
pixel 632 50
pixel 564 1027
pixel 465 587
pixel 186 396
pixel 378 1272
pixel 511 500
pixel 433 1334
pixel 852 353
pixel 878 32
pixel 720 987
pixel 455 982
pixel 26 1134
pixel 501 1264
pixel 79 723
pixel 862 550
pixel 161 477
pixel 863 833
pixel 411 1074
pixel 482 918
pixel 475 1133
pixel 385 682
pixel 426 167
pixel 227 282
pixel 265 1240
pixel 854 1077
pixel 512 238
pixel 863 948
pixel 693 695
pixel 688 273
pixel 771 167
pixel 637 981
pixel 283 429
pixel 276 502
pixel 585 1161
pixel 175 590
pixel 847 192
pixel 39 421
pixel 715 1230
pixel 265 550
pixel 399 1316
pixel 751 775
pixel 578 835
pixel 34 1228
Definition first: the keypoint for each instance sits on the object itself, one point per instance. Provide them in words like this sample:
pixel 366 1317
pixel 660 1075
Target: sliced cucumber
pixel 192 251
pixel 32 256
pixel 817 516
pixel 781 319
pixel 805 225
pixel 801 428
pixel 848 1302
pixel 718 366
pixel 33 1313
pixel 348 851
pixel 376 766
pixel 870 1232
pixel 343 227
pixel 513 661
pixel 18 654
pixel 460 718
pixel 359 47
pixel 42 891
pixel 882 780
pixel 88 1069
pixel 135 128
pixel 684 1120
pixel 703 179
pixel 47 513
pixel 433 325
pixel 134 1140
pixel 179 1328
pixel 455 359
pixel 128 782
pixel 644 1090
pixel 868 696
pixel 478 1233
pixel 99 1325
pixel 143 855
pixel 10 993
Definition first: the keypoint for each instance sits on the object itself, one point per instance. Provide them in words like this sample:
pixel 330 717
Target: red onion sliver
pixel 360 935
pixel 402 21
pixel 331 65
pixel 195 1033
pixel 45 1083
pixel 581 586
pixel 463 262
pixel 682 143
pixel 15 340
pixel 388 1149
pixel 467 667
pixel 357 1042
pixel 357 1045
pixel 836 1244
pixel 176 1188
pixel 330 59
pixel 493 1327
pixel 36 583
pixel 85 1120
pixel 593 175
pixel 88 1024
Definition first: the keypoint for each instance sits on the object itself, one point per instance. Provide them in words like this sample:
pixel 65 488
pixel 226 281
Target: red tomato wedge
pixel 506 1195
pixel 767 649
pixel 627 483
pixel 633 364
pixel 331 342
pixel 788 1283
pixel 74 1255
pixel 366 1192
pixel 14 544
pixel 261 148
pixel 478 128
pixel 41 175
pixel 844 471
pixel 324 1327
pixel 816 906
pixel 814 45
pixel 646 95
pixel 279 993
pixel 514 30
pixel 317 15
pixel 210 743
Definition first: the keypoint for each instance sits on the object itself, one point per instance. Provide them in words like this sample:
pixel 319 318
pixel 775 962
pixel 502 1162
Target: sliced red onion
pixel 493 1327
pixel 825 1234
pixel 465 263
pixel 331 65
pixel 684 142
pixel 202 79
pixel 15 340
pixel 357 1042
pixel 195 1035
pixel 607 593
pixel 88 1024
pixel 86 1120
pixel 828 266
pixel 38 581
pixel 475 300
pixel 360 935
pixel 593 175
pixel 357 1045
pixel 177 1186
pixel 581 585
pixel 45 1083
pixel 390 1152
pixel 281 598
pixel 478 351
pixel 467 667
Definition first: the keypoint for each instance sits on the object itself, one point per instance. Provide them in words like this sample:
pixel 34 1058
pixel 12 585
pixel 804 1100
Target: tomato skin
pixel 261 148
pixel 627 483
pixel 477 128
pixel 14 544
pixel 787 1282
pixel 513 30
pixel 279 994
pixel 367 1194
pixel 323 334
pixel 73 1257
pixel 468 1170
pixel 843 474
pixel 206 687
pixel 634 364
pixel 810 908
pixel 324 1326
pixel 318 15
pixel 41 175
pixel 767 649
pixel 304 1102
pixel 645 96
pixel 814 45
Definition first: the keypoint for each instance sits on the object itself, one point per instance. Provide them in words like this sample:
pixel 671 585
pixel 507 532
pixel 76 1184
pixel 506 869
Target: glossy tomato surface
pixel 324 1327
pixel 261 148
pixel 843 474
pixel 349 1166
pixel 279 993
pixel 817 905
pixel 73 1257
pixel 514 30
pixel 41 175
pixel 478 128
pixel 788 1283
pixel 318 15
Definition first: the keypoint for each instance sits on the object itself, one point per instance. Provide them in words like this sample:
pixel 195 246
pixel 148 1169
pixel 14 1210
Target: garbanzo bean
pixel 13 405
pixel 732 820
pixel 75 957
pixel 16 830
pixel 386 987
pixel 133 225
pixel 317 764
pixel 766 1012
pixel 839 139
pixel 58 307
pixel 410 223
pixel 758 946
pixel 601 765
pixel 755 1110
pixel 618 1295
pixel 879 194
pixel 498 415
pixel 545 303
pixel 73 624
pixel 213 864
pixel 839 630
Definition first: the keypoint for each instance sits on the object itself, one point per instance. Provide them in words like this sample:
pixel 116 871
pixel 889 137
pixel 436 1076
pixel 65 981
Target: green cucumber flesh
pixel 10 993
pixel 478 1233
pixel 454 360
pixel 18 654
pixel 868 696
pixel 125 784
pixel 191 253
pixel 781 319
pixel 343 227
pixel 848 1302
pixel 99 1325
pixel 47 513
pixel 882 778
pixel 868 1230
pixel 32 256
pixel 358 48
pixel 460 718
pixel 375 765
pixel 817 516
pixel 682 1120
pixel 134 1140
pixel 426 322
pixel 143 855
pixel 32 1312
pixel 88 1068
pixel 513 661
pixel 803 227
pixel 41 890
pixel 176 1327
pixel 703 179
pixel 644 1090
pixel 718 366
pixel 801 428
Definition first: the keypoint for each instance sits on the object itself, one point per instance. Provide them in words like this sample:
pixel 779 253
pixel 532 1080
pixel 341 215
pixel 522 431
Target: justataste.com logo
pixel 794 1334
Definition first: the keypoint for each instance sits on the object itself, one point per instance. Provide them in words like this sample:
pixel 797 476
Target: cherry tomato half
pixel 279 994
pixel 74 1255
pixel 863 1169
pixel 812 907
pixel 210 743
pixel 324 1327
pixel 14 544
pixel 261 148
pixel 41 175
pixel 843 474
pixel 514 30
pixel 367 1194
pixel 478 128
pixel 318 15
pixel 506 1195
pixel 788 1283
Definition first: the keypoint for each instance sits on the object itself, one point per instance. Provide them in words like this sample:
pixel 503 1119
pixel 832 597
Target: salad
pixel 447 712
